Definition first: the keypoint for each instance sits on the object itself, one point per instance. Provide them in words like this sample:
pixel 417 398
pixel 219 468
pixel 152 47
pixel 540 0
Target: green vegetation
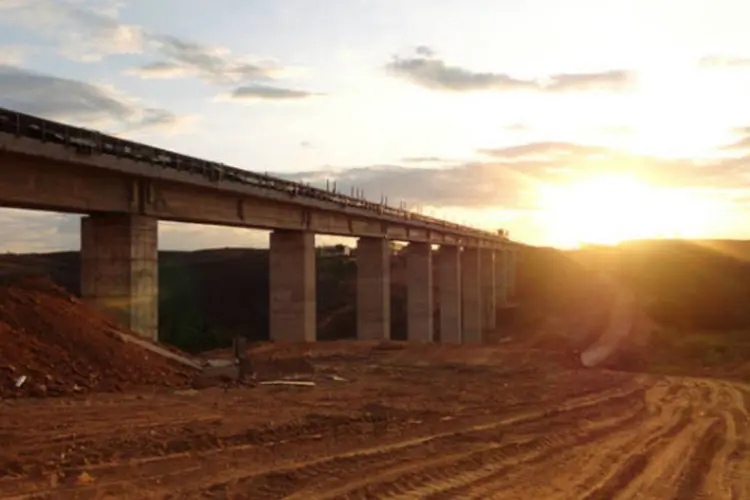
pixel 181 321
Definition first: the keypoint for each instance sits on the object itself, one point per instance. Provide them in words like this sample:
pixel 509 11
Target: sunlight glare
pixel 613 208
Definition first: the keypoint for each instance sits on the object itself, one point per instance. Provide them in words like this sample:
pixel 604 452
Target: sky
pixel 562 122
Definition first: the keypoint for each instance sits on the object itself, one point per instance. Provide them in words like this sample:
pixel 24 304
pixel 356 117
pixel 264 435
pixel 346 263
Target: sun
pixel 612 208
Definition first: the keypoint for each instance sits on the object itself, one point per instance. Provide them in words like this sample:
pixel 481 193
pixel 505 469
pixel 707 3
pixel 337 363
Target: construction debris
pixel 301 383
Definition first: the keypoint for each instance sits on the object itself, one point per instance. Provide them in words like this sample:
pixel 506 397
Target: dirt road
pixel 512 428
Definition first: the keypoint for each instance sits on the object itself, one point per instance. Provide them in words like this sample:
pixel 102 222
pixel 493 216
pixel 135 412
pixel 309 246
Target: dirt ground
pixel 391 421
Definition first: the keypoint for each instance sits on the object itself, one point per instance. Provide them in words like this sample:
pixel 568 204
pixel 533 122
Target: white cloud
pixel 86 30
pixel 89 30
pixel 78 102
pixel 13 54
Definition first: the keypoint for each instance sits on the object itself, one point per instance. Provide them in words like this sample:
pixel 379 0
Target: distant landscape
pixel 695 294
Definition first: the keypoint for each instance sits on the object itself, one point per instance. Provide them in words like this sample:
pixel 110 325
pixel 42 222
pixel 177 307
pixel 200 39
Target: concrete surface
pixel 419 322
pixel 489 314
pixel 373 289
pixel 471 288
pixel 119 269
pixel 48 176
pixel 292 286
pixel 449 276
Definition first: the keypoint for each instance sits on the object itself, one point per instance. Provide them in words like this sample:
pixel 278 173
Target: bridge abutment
pixel 449 273
pixel 292 315
pixel 419 322
pixel 471 295
pixel 373 289
pixel 119 269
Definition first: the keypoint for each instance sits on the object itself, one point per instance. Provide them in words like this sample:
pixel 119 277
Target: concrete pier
pixel 373 289
pixel 487 263
pixel 449 273
pixel 419 324
pixel 120 271
pixel 292 286
pixel 501 289
pixel 510 276
pixel 471 295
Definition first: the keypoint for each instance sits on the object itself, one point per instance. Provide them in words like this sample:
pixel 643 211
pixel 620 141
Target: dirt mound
pixel 61 346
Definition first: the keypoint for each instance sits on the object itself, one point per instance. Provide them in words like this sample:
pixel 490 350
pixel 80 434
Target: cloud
pixel 718 61
pixel 426 70
pixel 78 102
pixel 423 159
pixel 157 70
pixel 13 54
pixel 267 92
pixel 517 127
pixel 86 30
pixel 743 143
pixel 613 80
pixel 511 179
pixel 214 65
pixel 547 148
pixel 35 231
pixel 89 30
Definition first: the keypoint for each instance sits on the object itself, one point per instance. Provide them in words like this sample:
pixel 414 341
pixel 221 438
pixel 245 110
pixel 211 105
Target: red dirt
pixel 62 346
pixel 478 422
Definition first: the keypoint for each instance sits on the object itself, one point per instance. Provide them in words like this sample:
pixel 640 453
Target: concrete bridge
pixel 125 188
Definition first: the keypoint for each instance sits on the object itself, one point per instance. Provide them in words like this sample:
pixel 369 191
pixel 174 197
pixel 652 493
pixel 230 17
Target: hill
pixel 696 291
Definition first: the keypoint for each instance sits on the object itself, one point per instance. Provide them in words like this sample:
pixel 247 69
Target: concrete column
pixel 373 289
pixel 419 292
pixel 292 286
pixel 487 258
pixel 501 265
pixel 510 279
pixel 120 269
pixel 449 262
pixel 471 295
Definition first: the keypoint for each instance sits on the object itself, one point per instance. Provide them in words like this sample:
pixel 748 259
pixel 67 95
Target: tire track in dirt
pixel 599 456
pixel 737 468
pixel 674 467
pixel 150 473
pixel 701 462
pixel 459 478
pixel 699 467
pixel 722 475
pixel 635 464
pixel 410 464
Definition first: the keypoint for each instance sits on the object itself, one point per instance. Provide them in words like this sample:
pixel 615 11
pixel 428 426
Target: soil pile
pixel 52 344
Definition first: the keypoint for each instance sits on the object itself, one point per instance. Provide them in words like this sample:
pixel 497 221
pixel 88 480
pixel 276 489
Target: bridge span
pixel 124 188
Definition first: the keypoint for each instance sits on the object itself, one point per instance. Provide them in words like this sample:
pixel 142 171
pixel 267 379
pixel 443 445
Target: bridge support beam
pixel 487 259
pixel 449 274
pixel 373 289
pixel 471 296
pixel 419 292
pixel 292 315
pixel 120 270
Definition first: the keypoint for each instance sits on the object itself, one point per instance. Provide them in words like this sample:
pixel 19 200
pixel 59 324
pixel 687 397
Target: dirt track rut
pixel 477 434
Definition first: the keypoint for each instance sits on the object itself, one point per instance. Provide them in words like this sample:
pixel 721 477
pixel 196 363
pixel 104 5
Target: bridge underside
pixel 119 254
